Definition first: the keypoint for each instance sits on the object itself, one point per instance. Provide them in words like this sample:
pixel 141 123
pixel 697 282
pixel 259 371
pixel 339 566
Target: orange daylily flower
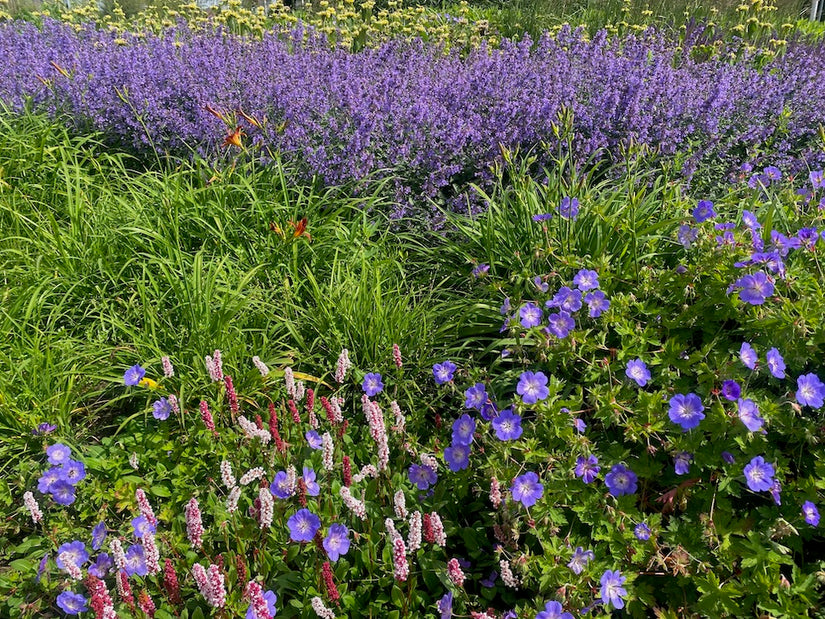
pixel 234 138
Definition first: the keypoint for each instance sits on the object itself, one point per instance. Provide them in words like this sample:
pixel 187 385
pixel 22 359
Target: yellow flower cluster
pixel 351 23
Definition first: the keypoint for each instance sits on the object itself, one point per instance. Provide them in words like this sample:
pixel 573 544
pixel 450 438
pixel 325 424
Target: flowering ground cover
pixel 613 423
pixel 245 377
pixel 425 122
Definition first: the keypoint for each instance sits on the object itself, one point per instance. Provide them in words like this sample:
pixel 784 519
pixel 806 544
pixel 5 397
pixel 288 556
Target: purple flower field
pixel 409 112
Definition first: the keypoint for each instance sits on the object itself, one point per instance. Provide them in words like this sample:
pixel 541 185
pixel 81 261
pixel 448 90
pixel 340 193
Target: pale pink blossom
pixel 507 576
pixel 173 402
pixel 232 500
pixel 455 573
pixel 327 454
pixel 289 380
pixel 226 475
pixel 396 356
pixel 400 504
pixel 400 420
pixel 251 430
pixel 31 504
pixel 399 558
pixel 342 366
pixel 495 493
pixel 414 539
pixel 144 507
pixel 354 505
pixel 168 370
pixel 150 552
pixel 255 594
pixel 438 529
pixel 67 559
pixel 322 611
pixel 251 475
pixel 118 555
pixel 260 365
pixel 194 524
pixel 267 507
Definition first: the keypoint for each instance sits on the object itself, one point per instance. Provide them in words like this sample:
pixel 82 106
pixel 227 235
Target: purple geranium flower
pixel 530 315
pixel 808 237
pixel 481 270
pixel 314 439
pixel 488 411
pixel 569 208
pixel 490 581
pixel 526 489
pixel 372 384
pixel 445 605
pixel 141 526
pixel 611 590
pixel 463 430
pixel 776 363
pixel 754 289
pixel 682 462
pixel 309 477
pixel 811 513
pixel 580 559
pixel 587 468
pixel 102 565
pixel 810 391
pixel 133 376
pixel 443 372
pixel 597 303
pixel 731 390
pixel 72 603
pixel 62 492
pixel 773 173
pixel 42 567
pixel 475 396
pixel 58 453
pixel 642 532
pixel 566 299
pixel 98 535
pixel 749 219
pixel 136 561
pixel 532 387
pixel 303 525
pixel 749 414
pixel 48 479
pixel 728 457
pixel 621 480
pixel 553 610
pixel 457 457
pixel 542 216
pixel 759 474
pixel 638 372
pixel 44 428
pixel 280 486
pixel 687 235
pixel 75 551
pixel 270 598
pixel 72 472
pixel 579 425
pixel 161 409
pixel 703 211
pixel 422 476
pixel 540 284
pixel 686 410
pixel 336 543
pixel 586 280
pixel 817 179
pixel 748 356
pixel 507 426
pixel 560 324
